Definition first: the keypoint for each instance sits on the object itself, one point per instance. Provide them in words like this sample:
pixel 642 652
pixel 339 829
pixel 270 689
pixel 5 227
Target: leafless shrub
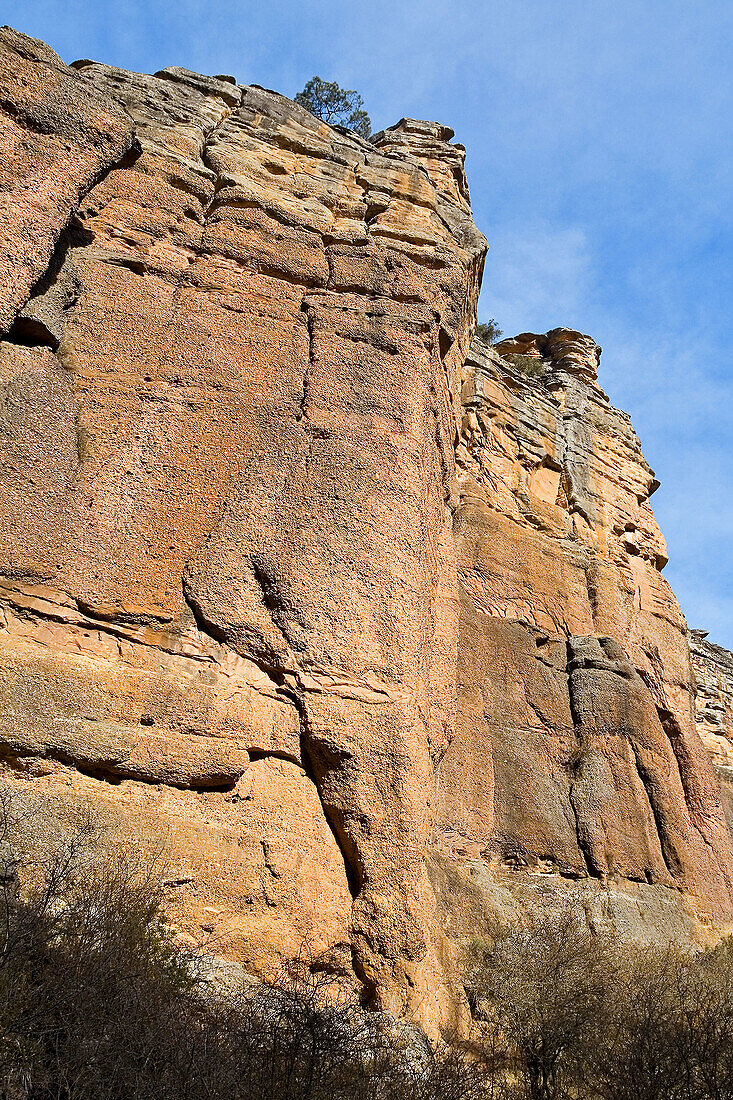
pixel 98 1001
pixel 668 1033
pixel 92 986
pixel 539 992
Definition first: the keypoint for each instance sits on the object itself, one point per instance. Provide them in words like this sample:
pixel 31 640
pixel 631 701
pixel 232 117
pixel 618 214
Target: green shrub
pixel 529 365
pixel 335 105
pixel 488 331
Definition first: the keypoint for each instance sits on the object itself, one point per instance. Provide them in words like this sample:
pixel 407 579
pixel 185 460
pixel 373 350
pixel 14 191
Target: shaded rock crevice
pixel 75 138
pixel 669 852
pixel 40 322
pixel 110 772
pixel 575 765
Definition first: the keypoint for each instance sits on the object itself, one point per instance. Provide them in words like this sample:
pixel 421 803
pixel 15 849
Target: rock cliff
pixel 713 668
pixel 576 759
pixel 361 621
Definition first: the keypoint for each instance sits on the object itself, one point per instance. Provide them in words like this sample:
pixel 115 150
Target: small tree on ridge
pixel 335 105
pixel 489 331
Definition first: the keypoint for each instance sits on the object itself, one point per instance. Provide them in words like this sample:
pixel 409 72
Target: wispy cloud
pixel 600 158
pixel 538 276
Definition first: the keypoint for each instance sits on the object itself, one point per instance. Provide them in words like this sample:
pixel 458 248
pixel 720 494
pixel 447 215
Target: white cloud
pixel 537 277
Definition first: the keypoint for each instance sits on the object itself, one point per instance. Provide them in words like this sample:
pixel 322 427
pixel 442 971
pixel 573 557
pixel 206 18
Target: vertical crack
pixel 692 793
pixel 210 137
pixel 316 758
pixel 575 769
pixel 41 319
pixel 329 261
pixel 669 852
pixel 302 412
pixel 317 761
pixel 590 573
pixel 680 750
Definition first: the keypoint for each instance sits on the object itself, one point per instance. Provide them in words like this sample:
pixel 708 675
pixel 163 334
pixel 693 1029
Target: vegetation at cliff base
pixel 335 105
pixel 101 1000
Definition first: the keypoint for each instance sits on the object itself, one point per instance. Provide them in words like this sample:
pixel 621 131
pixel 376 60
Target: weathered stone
pixel 244 546
pixel 713 668
pixel 362 624
pixel 563 348
pixel 58 137
pixel 576 753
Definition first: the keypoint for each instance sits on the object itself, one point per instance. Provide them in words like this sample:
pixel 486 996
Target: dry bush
pixel 567 1014
pixel 98 1000
pixel 93 991
pixel 540 992
pixel 669 1031
pixel 300 1037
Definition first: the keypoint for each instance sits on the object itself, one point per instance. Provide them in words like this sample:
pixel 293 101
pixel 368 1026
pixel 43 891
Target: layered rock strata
pixel 576 752
pixel 229 576
pixel 361 623
pixel 713 668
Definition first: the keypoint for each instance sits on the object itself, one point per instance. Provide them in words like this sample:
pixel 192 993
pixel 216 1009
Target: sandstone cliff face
pixel 366 628
pixel 576 753
pixel 230 586
pixel 713 668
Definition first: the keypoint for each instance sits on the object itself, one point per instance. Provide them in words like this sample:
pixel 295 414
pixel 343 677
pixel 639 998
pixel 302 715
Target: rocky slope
pixel 363 625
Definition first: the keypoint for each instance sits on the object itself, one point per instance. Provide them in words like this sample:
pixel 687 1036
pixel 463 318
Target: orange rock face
pixel 364 628
pixel 57 138
pixel 713 668
pixel 576 692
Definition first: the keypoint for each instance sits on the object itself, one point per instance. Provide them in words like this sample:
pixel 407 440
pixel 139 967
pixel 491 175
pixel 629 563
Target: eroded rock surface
pixel 366 628
pixel 713 668
pixel 227 532
pixel 58 137
pixel 576 752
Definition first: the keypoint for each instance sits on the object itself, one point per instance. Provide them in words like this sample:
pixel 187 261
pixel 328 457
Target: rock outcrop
pixel 576 752
pixel 362 623
pixel 230 586
pixel 713 668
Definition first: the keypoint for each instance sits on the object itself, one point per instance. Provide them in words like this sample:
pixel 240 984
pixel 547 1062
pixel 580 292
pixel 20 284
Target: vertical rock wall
pixel 367 631
pixel 713 669
pixel 229 576
pixel 577 756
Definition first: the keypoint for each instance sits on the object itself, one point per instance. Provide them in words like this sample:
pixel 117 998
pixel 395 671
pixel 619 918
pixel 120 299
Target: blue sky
pixel 600 159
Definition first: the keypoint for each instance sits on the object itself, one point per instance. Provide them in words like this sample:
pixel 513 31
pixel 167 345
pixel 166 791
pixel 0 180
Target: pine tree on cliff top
pixel 335 105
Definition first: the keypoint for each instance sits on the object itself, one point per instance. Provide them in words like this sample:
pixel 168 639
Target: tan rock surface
pixel 367 632
pixel 58 137
pixel 226 530
pixel 575 688
pixel 713 669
